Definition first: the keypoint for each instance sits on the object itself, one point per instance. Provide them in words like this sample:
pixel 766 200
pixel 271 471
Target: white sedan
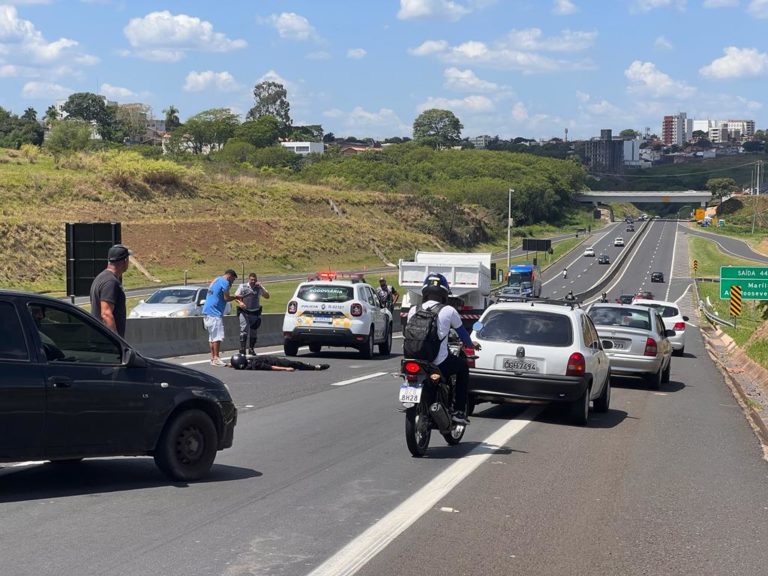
pixel 590 251
pixel 673 320
pixel 618 241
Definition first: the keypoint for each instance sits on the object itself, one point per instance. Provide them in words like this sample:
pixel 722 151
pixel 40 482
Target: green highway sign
pixel 750 289
pixel 744 272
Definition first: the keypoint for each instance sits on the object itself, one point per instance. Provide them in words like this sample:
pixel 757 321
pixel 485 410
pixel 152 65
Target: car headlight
pixel 179 314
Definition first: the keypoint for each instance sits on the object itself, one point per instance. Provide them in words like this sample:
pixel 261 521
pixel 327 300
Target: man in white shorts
pixel 213 312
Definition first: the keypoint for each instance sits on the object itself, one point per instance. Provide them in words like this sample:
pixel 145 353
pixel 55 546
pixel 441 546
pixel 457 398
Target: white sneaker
pixel 218 362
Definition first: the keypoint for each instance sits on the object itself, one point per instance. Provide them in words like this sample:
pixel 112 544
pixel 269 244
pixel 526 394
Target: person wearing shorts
pixel 213 312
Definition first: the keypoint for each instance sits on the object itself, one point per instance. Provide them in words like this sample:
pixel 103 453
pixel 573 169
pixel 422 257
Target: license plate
pixel 410 394
pixel 520 365
pixel 620 344
pixel 323 320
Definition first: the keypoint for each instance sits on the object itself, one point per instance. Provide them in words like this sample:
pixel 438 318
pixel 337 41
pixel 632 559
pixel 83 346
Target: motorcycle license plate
pixel 520 365
pixel 410 394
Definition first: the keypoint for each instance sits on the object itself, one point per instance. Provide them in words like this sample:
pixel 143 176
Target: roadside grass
pixel 710 258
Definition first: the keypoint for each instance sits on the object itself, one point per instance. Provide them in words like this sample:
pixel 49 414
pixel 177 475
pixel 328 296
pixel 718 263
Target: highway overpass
pixel 659 197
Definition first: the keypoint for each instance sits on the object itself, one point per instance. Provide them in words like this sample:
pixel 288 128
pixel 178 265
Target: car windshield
pixel 665 311
pixel 326 293
pixel 527 327
pixel 172 296
pixel 609 316
pixel 519 278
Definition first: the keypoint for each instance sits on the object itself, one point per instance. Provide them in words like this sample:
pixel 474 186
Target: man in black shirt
pixel 107 295
pixel 267 362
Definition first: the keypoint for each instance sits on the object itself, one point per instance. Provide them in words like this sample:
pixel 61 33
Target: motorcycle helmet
pixel 435 287
pixel 239 361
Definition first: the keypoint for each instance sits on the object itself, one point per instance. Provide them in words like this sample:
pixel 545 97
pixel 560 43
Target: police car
pixel 335 309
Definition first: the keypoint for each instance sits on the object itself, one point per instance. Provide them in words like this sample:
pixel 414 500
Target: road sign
pixel 744 272
pixel 750 289
pixel 735 305
pixel 700 212
pixel 695 265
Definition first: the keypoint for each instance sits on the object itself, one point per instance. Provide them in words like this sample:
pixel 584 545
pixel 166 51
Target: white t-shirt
pixel 447 318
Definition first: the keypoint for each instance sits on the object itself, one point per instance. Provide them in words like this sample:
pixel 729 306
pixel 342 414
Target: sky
pixel 368 68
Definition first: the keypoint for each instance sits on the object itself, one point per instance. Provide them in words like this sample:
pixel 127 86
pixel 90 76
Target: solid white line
pixel 362 549
pixel 359 379
pixel 672 267
pixel 683 294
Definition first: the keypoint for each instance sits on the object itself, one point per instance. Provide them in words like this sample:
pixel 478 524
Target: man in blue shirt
pixel 213 312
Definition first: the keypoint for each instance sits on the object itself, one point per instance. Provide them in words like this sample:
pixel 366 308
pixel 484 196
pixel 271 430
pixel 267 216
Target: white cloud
pixel 430 47
pixel 435 9
pixel 582 96
pixel 378 124
pixel 737 63
pixel 356 53
pixel 467 81
pixel 603 108
pixel 720 3
pixel 564 8
pixel 471 104
pixel 45 91
pixel 531 39
pixel 758 8
pixel 648 5
pixel 115 92
pixel 646 80
pixel 209 80
pixel 661 43
pixel 165 37
pixel 291 26
pixel 520 112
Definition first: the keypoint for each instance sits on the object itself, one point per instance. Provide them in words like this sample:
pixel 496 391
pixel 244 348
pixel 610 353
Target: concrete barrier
pixel 165 337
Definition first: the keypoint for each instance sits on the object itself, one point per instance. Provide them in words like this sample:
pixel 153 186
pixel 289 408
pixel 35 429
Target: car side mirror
pixel 607 344
pixel 201 302
pixel 685 318
pixel 133 359
pixel 670 333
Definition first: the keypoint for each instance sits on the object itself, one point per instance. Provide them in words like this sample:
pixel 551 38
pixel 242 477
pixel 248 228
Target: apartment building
pixel 676 129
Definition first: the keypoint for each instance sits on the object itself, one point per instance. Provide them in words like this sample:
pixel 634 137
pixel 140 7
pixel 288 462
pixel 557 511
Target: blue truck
pixel 523 280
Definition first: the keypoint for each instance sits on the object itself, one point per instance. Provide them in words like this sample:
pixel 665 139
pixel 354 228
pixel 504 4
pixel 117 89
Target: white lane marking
pixel 711 237
pixel 362 549
pixel 683 294
pixel 672 267
pixel 359 379
pixel 598 237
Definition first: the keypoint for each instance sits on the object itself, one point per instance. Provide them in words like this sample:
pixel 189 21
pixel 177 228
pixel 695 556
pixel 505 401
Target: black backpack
pixel 421 340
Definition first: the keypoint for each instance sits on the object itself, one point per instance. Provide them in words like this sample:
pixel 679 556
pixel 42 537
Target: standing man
pixel 107 294
pixel 387 294
pixel 213 312
pixel 250 313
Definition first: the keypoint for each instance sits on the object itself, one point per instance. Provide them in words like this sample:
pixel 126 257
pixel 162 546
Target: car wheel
pixel 187 446
pixel 366 350
pixel 386 347
pixel 654 380
pixel 315 348
pixel 603 402
pixel 578 410
pixel 290 348
pixel 667 370
pixel 680 352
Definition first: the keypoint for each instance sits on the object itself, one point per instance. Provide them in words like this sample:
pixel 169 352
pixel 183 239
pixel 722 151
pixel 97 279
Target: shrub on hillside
pixel 129 168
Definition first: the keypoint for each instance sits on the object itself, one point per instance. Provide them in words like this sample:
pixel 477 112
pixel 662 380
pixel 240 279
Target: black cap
pixel 118 252
pixel 231 272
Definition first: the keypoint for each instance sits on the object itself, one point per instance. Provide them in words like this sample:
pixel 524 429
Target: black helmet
pixel 239 361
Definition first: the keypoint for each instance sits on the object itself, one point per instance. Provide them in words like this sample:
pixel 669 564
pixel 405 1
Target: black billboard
pixel 87 248
pixel 536 245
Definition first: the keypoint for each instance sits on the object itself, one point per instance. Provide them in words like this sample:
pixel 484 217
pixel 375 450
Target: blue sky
pixel 367 68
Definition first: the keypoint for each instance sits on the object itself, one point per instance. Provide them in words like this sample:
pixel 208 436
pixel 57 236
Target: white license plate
pixel 621 344
pixel 520 365
pixel 410 394
pixel 323 320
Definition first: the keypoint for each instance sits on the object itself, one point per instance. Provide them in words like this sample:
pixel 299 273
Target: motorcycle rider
pixel 565 273
pixel 604 297
pixel 570 297
pixel 435 291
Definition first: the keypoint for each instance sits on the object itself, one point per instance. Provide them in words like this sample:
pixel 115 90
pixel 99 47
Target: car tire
pixel 385 348
pixel 187 446
pixel 602 403
pixel 654 380
pixel 578 410
pixel 680 352
pixel 366 350
pixel 666 373
pixel 315 348
pixel 290 348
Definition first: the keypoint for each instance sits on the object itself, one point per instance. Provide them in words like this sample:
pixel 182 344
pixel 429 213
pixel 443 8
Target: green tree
pixel 721 186
pixel 51 115
pixel 236 151
pixel 30 114
pixel 68 136
pixel 699 134
pixel 271 99
pixel 261 132
pixel 309 133
pixel 629 134
pixel 209 130
pixel 437 129
pixel 171 118
pixel 753 146
pixel 93 108
pixel 134 119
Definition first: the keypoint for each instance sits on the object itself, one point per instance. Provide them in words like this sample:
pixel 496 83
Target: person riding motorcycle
pixel 435 291
pixel 565 273
pixel 604 297
pixel 570 296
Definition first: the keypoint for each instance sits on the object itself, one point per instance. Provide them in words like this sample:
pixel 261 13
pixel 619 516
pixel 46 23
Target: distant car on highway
pixel 630 228
pixel 590 251
pixel 657 276
pixel 625 299
pixel 643 295
pixel 603 259
pixel 173 302
pixel 619 241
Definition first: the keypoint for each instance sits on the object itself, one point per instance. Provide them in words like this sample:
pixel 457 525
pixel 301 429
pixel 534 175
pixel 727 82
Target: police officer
pixel 249 312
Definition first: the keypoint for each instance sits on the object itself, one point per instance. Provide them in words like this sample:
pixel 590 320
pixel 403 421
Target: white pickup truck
pixel 468 273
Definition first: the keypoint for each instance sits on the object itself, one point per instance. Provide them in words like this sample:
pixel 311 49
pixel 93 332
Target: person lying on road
pixel 277 363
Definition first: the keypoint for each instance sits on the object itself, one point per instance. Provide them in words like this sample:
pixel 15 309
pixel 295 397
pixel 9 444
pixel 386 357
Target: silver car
pixel 173 302
pixel 639 341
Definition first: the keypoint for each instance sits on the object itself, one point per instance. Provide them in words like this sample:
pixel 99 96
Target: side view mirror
pixel 201 302
pixel 607 344
pixel 133 359
pixel 477 326
pixel 685 318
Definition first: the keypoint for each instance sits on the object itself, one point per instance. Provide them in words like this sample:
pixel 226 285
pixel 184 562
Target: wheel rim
pixel 190 445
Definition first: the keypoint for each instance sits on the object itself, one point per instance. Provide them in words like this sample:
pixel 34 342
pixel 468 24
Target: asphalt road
pixel 320 479
pixel 729 245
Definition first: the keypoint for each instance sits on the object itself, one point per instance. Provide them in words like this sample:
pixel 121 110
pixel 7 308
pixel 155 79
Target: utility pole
pixel 509 230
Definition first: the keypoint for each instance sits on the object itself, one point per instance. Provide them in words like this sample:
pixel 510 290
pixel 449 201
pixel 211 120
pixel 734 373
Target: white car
pixel 673 320
pixel 328 311
pixel 173 302
pixel 619 241
pixel 540 351
pixel 590 251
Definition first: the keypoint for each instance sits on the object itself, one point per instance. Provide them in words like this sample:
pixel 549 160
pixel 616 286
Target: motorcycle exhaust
pixel 440 416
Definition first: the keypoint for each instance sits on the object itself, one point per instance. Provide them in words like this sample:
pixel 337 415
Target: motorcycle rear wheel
pixel 418 429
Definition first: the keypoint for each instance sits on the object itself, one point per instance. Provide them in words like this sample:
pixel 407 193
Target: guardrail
pixel 710 315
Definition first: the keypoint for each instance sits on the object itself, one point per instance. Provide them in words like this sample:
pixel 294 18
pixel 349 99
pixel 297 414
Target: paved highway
pixel 320 481
pixel 728 245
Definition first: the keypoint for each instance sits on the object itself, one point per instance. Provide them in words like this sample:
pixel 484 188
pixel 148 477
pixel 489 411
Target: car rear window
pixel 527 327
pixel 665 311
pixel 326 293
pixel 620 317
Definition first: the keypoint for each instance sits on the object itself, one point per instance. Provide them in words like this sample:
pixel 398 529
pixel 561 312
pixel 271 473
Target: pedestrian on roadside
pixel 387 294
pixel 107 294
pixel 213 312
pixel 250 314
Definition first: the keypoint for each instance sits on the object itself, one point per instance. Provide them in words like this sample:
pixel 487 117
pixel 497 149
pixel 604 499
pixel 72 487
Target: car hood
pixel 160 310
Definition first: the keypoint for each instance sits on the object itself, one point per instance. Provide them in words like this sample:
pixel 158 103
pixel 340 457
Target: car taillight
pixel 650 347
pixel 576 365
pixel 356 309
pixel 470 353
pixel 411 367
pixel 292 306
pixel 679 326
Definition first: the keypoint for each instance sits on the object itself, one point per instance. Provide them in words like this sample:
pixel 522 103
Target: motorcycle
pixel 427 398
